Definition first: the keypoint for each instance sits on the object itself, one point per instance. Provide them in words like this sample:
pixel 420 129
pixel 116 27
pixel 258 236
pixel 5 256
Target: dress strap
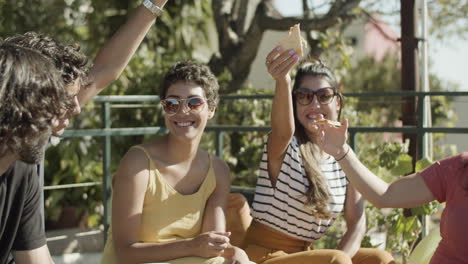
pixel 211 161
pixel 146 153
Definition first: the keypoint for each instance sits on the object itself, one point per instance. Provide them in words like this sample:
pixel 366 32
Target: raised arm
pixel 279 64
pixel 117 52
pixel 408 191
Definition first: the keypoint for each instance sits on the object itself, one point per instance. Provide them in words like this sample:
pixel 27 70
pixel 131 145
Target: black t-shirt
pixel 21 227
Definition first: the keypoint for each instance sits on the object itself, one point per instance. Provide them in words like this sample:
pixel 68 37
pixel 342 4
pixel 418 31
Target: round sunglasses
pixel 305 96
pixel 172 105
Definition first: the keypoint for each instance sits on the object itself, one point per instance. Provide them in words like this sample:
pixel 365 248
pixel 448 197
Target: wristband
pixel 156 10
pixel 344 154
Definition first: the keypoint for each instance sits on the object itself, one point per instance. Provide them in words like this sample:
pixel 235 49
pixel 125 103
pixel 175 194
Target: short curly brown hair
pixel 68 59
pixel 191 71
pixel 31 94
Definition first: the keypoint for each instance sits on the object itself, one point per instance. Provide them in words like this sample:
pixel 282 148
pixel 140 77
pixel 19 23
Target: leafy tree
pixel 369 75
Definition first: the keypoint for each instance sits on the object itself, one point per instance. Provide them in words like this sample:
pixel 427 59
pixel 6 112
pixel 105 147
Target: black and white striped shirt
pixel 283 208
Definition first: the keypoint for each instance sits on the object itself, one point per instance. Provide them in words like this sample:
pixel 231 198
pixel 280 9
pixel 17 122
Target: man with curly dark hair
pixel 68 59
pixel 31 100
pixel 83 81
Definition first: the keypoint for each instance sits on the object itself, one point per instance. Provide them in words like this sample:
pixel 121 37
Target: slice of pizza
pixel 294 41
pixel 328 122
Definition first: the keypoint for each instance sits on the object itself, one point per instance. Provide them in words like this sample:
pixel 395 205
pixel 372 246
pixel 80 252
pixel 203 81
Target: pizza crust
pixel 328 122
pixel 294 41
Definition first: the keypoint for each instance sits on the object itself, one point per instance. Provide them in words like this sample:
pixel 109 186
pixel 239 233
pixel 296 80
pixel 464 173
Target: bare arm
pixel 39 255
pixel 408 191
pixel 355 222
pixel 214 218
pixel 282 115
pixel 117 52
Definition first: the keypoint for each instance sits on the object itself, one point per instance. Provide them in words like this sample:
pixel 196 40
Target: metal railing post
pixel 353 141
pixel 219 143
pixel 422 151
pixel 106 164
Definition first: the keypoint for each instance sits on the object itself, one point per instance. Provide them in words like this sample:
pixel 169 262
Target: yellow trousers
pixel 264 246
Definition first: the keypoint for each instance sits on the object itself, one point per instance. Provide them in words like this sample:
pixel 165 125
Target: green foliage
pixel 73 167
pixel 448 18
pixel 243 150
pixel 331 42
pixel 369 75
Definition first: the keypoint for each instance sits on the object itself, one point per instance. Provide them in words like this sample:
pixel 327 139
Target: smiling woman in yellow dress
pixel 169 195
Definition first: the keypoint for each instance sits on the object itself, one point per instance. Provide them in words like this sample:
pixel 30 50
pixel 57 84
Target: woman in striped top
pixel 301 190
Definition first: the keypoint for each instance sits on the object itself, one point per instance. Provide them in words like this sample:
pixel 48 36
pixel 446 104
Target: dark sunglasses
pixel 172 105
pixel 305 96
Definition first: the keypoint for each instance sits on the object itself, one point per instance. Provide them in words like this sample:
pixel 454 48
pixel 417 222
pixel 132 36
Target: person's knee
pixel 381 257
pixel 340 257
pixel 373 256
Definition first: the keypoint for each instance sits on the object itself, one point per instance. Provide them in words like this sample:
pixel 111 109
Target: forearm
pixel 406 192
pixel 282 115
pixel 351 241
pixel 114 56
pixel 367 183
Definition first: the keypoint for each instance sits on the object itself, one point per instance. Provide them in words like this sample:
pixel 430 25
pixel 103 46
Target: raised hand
pixel 210 244
pixel 332 139
pixel 279 63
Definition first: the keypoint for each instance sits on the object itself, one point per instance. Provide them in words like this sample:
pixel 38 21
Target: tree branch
pixel 239 47
pixel 222 15
pixel 242 10
pixel 340 7
pixel 319 24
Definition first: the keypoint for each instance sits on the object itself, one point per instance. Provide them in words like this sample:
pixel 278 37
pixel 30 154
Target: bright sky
pixel 449 57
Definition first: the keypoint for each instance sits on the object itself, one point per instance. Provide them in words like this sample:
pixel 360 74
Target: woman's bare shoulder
pixel 135 158
pixel 221 168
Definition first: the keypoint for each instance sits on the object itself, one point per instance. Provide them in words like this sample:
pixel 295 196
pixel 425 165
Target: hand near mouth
pixel 333 139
